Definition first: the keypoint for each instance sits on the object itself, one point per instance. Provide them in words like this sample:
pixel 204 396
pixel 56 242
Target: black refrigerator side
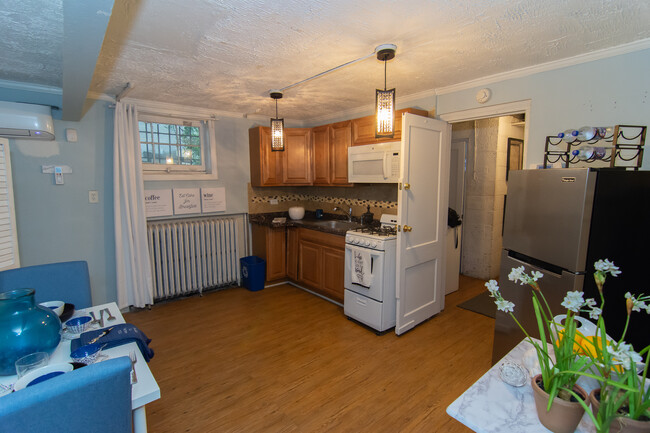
pixel 620 232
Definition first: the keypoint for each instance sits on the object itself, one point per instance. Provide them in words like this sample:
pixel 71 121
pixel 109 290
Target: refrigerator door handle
pixel 544 266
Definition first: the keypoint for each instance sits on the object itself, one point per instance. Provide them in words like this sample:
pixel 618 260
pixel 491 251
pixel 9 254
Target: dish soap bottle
pixel 366 218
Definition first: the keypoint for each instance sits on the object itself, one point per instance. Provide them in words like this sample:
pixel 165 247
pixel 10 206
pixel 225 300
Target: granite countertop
pixel 309 221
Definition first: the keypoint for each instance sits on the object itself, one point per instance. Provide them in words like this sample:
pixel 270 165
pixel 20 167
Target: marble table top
pixel 492 406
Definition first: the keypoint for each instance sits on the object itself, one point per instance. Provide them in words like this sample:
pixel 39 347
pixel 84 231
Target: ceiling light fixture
pixel 277 125
pixel 385 99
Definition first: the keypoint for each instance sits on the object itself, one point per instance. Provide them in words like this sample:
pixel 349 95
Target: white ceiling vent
pixel 26 121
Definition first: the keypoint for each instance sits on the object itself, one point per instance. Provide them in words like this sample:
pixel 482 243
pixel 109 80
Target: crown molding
pixel 548 66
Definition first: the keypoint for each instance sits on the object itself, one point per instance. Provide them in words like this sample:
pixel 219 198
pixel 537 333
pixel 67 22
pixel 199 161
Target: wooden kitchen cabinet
pixel 297 158
pixel 269 243
pixel 266 165
pixel 292 253
pixel 331 143
pixel 341 140
pixel 363 128
pixel 321 261
pixel 321 146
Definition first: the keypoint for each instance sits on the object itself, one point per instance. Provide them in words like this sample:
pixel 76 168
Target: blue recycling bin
pixel 253 271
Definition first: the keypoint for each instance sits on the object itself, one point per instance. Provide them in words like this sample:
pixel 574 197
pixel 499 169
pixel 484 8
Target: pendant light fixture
pixel 277 125
pixel 385 99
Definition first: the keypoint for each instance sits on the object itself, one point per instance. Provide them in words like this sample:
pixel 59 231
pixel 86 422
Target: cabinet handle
pixel 407 228
pixel 407 186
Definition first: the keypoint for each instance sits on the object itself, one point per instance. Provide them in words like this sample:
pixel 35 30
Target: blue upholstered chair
pixel 96 398
pixel 65 281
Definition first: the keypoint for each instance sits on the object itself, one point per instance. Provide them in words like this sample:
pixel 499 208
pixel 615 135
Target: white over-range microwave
pixel 374 163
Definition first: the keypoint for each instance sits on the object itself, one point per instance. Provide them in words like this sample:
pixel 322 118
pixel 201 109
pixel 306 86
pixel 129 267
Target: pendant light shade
pixel 277 125
pixel 385 99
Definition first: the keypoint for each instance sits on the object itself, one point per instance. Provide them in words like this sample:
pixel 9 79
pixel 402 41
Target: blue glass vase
pixel 25 328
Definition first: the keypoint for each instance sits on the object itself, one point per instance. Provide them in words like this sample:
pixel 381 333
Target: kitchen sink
pixel 335 224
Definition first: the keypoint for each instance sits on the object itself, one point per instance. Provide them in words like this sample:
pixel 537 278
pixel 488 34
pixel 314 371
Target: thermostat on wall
pixel 71 135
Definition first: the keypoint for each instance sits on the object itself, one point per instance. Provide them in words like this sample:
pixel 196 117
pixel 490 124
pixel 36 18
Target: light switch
pixel 93 196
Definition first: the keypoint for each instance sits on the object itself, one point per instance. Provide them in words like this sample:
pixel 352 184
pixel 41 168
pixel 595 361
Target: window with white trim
pixel 8 238
pixel 171 144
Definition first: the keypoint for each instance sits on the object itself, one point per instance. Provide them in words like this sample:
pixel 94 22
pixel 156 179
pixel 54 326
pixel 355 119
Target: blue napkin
pixel 118 335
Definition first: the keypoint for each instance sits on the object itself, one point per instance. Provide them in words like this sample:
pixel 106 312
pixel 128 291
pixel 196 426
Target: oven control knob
pixel 354 241
pixel 366 243
pixel 374 244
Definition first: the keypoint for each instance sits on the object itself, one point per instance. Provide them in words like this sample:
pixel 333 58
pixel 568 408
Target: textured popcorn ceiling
pixel 227 54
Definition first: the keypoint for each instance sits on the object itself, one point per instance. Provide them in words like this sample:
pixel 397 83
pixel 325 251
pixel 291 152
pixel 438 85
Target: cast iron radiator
pixel 190 255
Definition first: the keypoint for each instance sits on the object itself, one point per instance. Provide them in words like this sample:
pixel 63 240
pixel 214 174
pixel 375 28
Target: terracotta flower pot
pixel 621 423
pixel 564 416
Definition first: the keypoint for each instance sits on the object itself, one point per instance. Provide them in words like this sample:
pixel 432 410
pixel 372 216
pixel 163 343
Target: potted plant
pixel 622 403
pixel 557 353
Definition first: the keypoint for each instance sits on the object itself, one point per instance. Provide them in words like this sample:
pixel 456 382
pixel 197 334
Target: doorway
pixel 483 152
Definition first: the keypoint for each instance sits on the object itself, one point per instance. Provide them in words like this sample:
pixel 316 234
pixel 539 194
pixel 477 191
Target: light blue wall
pixel 56 222
pixel 599 93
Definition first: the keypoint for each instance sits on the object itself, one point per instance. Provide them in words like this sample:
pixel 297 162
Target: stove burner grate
pixel 380 231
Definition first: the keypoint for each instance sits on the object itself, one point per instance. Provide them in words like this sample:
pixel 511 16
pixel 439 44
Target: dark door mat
pixel 482 304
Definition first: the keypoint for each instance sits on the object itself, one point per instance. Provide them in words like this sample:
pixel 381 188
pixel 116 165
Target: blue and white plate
pixel 42 374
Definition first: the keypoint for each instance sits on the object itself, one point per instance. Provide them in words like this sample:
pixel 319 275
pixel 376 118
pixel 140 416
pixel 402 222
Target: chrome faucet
pixel 348 212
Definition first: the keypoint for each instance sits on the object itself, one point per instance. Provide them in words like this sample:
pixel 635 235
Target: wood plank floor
pixel 284 360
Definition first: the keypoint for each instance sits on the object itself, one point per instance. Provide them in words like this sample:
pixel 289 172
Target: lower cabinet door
pixel 292 253
pixel 276 253
pixel 333 262
pixel 309 263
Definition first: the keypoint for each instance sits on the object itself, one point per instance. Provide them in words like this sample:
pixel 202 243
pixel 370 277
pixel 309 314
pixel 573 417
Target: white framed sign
pixel 213 199
pixel 158 202
pixel 186 201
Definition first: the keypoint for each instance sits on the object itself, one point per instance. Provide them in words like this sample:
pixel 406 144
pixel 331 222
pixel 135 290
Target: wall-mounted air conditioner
pixel 29 121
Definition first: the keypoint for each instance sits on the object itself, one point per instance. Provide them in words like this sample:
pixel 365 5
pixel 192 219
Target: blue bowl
pixel 78 325
pixel 86 354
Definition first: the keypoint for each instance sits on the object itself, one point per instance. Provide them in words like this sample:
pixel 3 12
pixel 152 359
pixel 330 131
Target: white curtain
pixel 134 282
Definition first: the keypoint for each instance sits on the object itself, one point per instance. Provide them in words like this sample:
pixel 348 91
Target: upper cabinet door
pixel 296 167
pixel 363 129
pixel 266 165
pixel 422 218
pixel 321 146
pixel 340 142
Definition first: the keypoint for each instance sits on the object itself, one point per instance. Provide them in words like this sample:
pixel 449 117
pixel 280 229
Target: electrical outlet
pixel 273 201
pixel 93 197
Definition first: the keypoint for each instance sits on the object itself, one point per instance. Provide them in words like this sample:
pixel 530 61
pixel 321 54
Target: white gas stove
pixel 370 262
pixel 374 237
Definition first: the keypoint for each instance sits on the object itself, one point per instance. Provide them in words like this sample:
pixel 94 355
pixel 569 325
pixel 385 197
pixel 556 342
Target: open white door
pixel 422 220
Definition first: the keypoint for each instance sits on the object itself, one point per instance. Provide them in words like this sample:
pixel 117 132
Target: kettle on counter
pixel 366 218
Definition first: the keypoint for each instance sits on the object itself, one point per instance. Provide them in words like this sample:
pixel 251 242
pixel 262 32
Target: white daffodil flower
pixel 606 266
pixel 595 313
pixel 493 287
pixel 505 306
pixel 573 301
pixel 624 355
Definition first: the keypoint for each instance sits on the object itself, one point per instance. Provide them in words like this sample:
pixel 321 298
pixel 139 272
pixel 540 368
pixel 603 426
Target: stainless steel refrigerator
pixel 561 221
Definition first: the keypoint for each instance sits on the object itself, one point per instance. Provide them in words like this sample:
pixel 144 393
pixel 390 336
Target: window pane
pixel 168 143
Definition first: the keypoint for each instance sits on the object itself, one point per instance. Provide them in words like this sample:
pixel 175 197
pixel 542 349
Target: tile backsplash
pixel 382 198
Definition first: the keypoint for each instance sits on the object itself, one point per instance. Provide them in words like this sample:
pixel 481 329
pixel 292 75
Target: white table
pixel 492 406
pixel 144 391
